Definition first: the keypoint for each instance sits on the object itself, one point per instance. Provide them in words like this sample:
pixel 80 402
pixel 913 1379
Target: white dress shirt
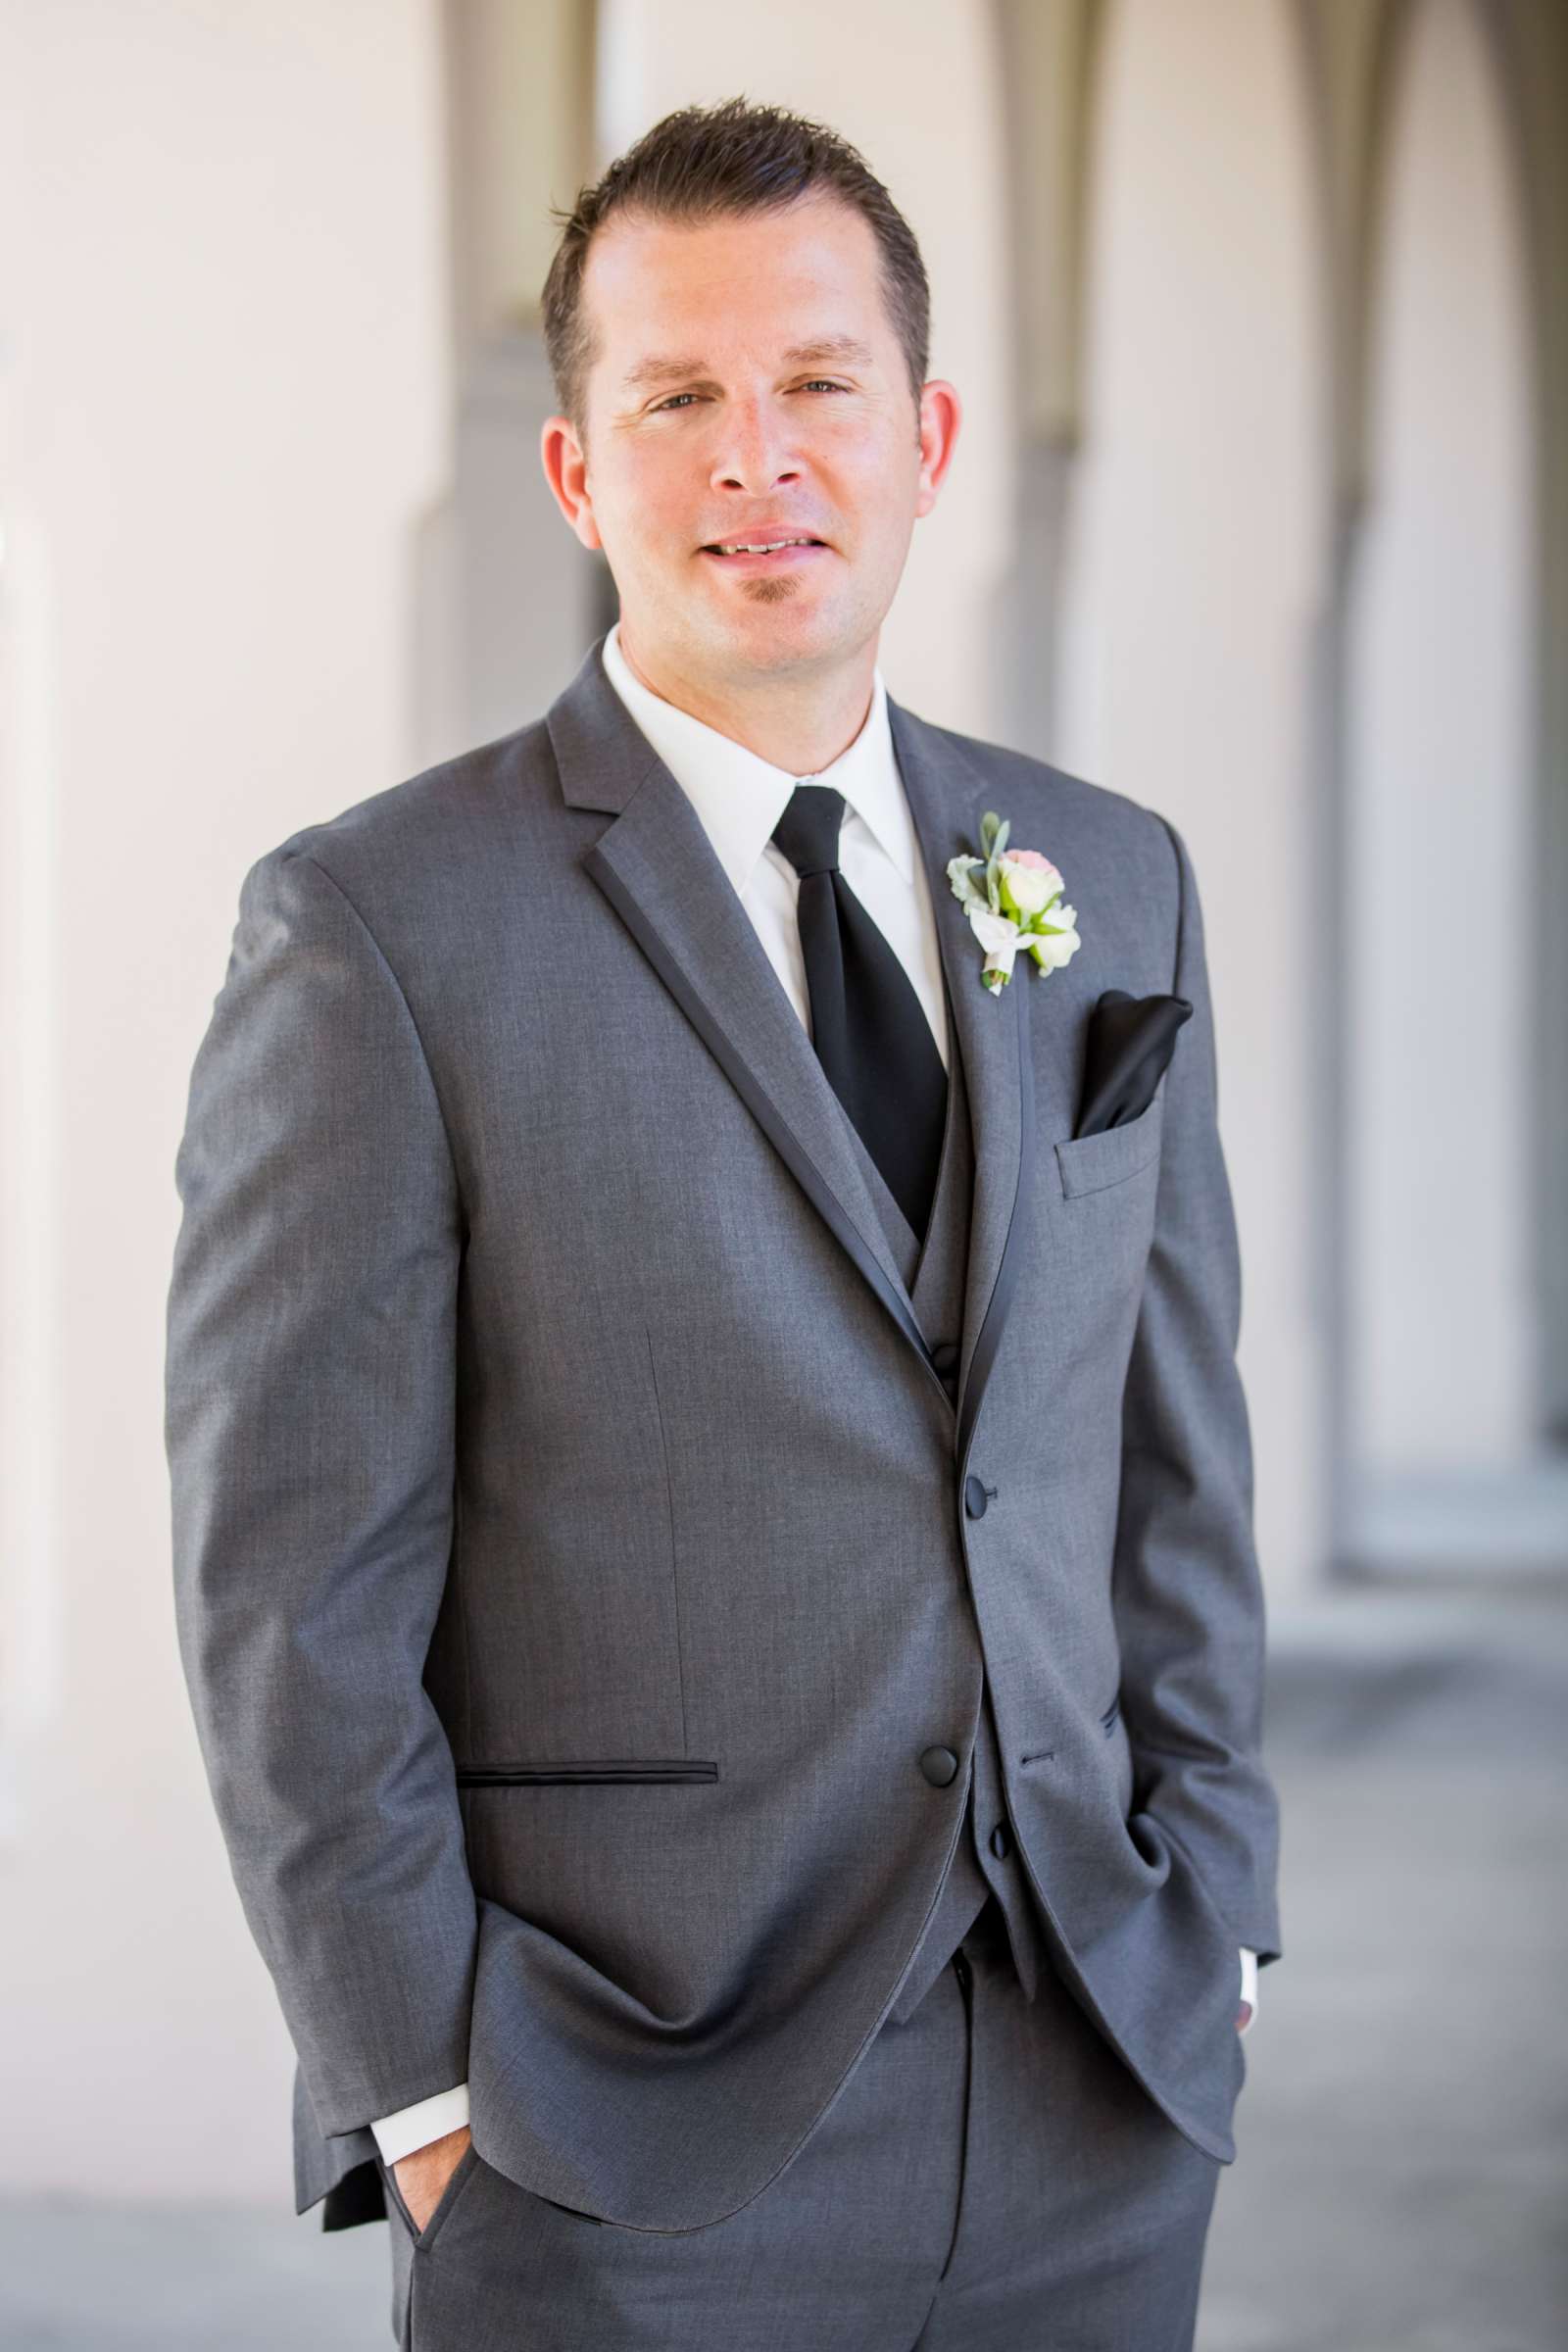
pixel 740 798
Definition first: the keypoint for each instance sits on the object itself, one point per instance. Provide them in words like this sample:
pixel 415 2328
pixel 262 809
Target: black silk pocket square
pixel 1131 1040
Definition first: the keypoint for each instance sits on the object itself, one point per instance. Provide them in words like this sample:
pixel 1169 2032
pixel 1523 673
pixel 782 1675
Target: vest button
pixel 938 1764
pixel 974 1496
pixel 1000 1842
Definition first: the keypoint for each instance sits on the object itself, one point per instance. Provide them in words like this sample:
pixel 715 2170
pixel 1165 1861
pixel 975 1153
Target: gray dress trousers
pixel 990 2179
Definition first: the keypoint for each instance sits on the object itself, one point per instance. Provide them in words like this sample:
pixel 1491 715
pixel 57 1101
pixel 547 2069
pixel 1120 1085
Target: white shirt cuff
pixel 1248 1982
pixel 409 2128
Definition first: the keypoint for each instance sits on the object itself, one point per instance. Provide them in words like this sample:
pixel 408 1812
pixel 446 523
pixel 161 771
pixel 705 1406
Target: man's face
pixel 749 387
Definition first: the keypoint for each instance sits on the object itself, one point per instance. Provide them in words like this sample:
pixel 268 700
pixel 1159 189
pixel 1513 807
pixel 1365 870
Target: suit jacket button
pixel 938 1764
pixel 974 1496
pixel 1000 1842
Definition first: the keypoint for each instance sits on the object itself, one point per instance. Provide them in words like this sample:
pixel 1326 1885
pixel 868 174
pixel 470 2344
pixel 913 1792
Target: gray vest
pixel 985 1861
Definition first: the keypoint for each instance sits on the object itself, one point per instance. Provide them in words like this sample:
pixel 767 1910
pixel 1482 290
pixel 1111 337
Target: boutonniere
pixel 1016 906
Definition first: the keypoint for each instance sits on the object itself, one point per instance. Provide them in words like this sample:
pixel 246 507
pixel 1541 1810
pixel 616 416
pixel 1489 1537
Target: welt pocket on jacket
pixel 1093 1163
pixel 591 1773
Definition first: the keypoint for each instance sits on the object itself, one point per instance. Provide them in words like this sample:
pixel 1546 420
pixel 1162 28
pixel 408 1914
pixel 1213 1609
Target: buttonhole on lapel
pixel 1038 1755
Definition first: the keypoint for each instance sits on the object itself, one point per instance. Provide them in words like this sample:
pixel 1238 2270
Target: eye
pixel 678 396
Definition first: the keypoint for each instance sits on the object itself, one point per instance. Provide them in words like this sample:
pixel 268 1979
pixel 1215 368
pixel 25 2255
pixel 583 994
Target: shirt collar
pixel 740 798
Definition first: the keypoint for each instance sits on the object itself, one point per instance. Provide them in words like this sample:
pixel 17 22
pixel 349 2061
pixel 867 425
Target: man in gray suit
pixel 712 1495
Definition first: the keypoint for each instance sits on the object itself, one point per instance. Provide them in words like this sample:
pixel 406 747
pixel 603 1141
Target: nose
pixel 755 452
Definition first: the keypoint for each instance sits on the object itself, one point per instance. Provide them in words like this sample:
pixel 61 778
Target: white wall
pixel 1442 1365
pixel 221 413
pixel 1194 575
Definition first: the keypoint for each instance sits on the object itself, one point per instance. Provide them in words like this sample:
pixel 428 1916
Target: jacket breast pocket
pixel 1095 1163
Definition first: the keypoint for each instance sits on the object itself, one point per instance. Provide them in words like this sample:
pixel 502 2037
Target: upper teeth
pixel 739 550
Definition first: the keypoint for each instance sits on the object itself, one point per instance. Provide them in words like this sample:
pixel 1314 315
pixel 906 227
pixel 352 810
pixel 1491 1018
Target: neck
pixel 798 724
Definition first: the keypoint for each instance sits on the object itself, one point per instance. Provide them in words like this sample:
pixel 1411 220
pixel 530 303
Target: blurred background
pixel 1259 310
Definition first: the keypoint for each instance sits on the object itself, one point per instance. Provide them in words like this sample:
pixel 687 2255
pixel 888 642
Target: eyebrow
pixel 655 371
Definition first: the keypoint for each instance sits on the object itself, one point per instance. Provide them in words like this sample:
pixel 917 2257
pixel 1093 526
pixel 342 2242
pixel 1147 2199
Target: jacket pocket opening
pixel 589 1773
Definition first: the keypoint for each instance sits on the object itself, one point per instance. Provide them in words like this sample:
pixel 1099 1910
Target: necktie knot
pixel 808 832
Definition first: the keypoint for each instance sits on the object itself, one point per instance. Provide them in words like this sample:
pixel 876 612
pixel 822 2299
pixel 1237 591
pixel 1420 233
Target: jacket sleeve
pixel 310 1434
pixel 1187 1591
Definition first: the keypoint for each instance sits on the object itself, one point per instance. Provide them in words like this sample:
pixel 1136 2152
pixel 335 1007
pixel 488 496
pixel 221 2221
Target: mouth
pixel 763 556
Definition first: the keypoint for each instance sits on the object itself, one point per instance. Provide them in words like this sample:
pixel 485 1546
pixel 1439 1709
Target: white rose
pixel 1051 948
pixel 1029 886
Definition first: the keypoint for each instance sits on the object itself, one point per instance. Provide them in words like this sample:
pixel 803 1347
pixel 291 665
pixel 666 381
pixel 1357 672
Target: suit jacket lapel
pixel 657 868
pixel 948 794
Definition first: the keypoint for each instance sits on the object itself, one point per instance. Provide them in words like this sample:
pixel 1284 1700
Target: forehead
pixel 791 279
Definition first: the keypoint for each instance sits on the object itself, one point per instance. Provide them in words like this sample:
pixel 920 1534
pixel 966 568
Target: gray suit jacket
pixel 572 1558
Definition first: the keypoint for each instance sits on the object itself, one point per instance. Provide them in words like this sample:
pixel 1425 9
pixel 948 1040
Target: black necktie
pixel 868 1024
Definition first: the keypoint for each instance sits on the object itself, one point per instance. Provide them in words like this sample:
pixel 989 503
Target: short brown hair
pixel 700 164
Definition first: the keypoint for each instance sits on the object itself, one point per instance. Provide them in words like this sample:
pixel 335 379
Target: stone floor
pixel 1402 2178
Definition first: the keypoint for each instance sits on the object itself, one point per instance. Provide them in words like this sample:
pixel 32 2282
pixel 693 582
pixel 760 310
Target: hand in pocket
pixel 423 2175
